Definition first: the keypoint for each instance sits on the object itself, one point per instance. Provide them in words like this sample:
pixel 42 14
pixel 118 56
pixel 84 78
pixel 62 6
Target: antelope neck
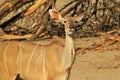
pixel 69 51
pixel 69 45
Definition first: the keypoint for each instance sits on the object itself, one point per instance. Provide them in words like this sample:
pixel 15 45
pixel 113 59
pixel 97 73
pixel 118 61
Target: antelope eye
pixel 75 21
pixel 65 21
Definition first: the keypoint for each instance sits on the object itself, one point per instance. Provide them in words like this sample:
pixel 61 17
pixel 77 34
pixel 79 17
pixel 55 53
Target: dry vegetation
pixel 31 17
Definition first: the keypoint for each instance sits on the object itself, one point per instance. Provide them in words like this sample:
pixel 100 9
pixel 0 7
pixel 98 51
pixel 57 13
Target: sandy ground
pixel 103 64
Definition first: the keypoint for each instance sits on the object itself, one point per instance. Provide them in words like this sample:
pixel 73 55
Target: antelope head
pixel 70 23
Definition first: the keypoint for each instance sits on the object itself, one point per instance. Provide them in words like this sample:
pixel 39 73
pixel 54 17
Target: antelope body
pixel 30 60
pixel 38 62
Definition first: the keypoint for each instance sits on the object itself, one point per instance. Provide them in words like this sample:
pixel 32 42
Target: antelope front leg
pixel 18 77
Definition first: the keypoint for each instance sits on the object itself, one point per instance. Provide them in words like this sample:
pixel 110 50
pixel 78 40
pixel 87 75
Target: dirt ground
pixel 102 63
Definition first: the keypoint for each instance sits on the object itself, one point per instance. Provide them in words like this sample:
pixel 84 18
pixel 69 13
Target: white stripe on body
pixel 5 57
pixel 43 64
pixel 22 46
pixel 19 57
pixel 40 60
pixel 31 57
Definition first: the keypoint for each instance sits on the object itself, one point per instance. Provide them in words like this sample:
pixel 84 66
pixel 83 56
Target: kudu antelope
pixel 39 62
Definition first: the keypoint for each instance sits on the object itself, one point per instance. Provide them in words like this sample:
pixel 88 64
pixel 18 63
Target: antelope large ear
pixel 55 15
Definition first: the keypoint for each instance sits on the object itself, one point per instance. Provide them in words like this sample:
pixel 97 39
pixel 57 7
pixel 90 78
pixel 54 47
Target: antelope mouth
pixel 71 30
